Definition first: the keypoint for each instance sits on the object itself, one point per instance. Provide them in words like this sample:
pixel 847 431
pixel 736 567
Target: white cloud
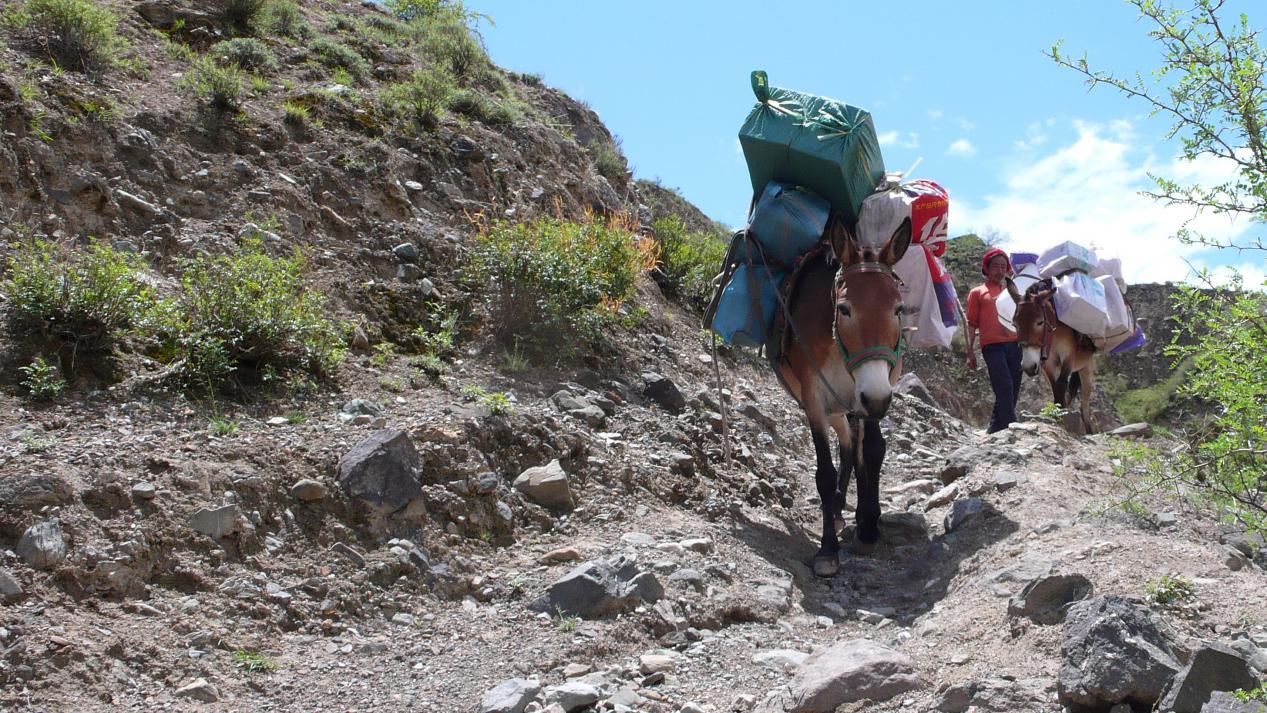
pixel 1089 191
pixel 909 140
pixel 961 147
pixel 935 114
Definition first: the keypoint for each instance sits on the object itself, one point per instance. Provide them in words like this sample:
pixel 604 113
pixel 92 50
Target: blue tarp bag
pixel 735 320
pixel 788 221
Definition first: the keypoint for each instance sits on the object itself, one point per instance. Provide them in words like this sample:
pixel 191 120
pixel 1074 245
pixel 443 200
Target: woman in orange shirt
pixel 998 344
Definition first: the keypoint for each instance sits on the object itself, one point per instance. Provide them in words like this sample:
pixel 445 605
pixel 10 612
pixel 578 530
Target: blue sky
pixel 964 87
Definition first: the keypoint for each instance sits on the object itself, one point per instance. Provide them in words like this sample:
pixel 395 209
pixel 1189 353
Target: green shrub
pixel 450 41
pixel 609 162
pixel 220 87
pixel 688 260
pixel 295 113
pixel 42 380
pixel 241 15
pixel 252 315
pixel 253 661
pixel 479 106
pixel 284 18
pixel 422 96
pixel 1169 590
pixel 1150 403
pixel 245 53
pixel 410 10
pixel 337 55
pixel 221 427
pixel 439 341
pixel 551 282
pixel 80 297
pixel 79 35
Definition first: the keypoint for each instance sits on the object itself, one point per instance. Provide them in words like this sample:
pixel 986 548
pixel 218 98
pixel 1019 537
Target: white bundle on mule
pixel 1080 303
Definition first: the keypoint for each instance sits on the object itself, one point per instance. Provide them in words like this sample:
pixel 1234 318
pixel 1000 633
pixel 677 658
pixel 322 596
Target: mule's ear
pixel 840 238
pixel 1011 290
pixel 898 244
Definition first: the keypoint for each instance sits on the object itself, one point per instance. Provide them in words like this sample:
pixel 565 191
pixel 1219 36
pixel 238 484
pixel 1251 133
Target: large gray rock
pixel 546 485
pixel 1223 702
pixel 1213 667
pixel 1113 652
pixel 785 660
pixel 1046 599
pixel 10 587
pixel 1133 430
pixel 963 512
pixel 42 545
pixel 510 696
pixel 850 671
pixel 600 588
pixel 572 695
pixel 911 385
pixel 32 491
pixel 382 470
pixel 216 522
pixel 663 391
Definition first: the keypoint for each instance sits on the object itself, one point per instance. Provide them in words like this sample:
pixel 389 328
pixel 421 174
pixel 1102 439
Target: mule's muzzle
pixel 875 407
pixel 1031 370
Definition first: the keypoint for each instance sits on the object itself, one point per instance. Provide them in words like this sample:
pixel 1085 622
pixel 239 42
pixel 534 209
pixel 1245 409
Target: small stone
pixel 563 554
pixel 309 490
pixel 942 497
pixel 638 539
pixel 10 587
pixel 510 696
pixel 348 551
pixel 702 545
pixel 576 670
pixel 403 619
pixel 1133 430
pixel 42 545
pixel 362 407
pixel 571 695
pixel 198 690
pixel 144 491
pixel 963 512
pixel 1233 559
pixel 216 522
pixel 785 660
pixel 1166 519
pixel 655 663
pixel 1006 480
pixel 406 251
pixel 546 485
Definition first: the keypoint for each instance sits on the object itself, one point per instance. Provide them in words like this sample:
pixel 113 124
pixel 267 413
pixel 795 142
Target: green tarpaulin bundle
pixel 814 142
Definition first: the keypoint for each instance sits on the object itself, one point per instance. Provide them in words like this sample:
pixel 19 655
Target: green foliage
pixel 295 113
pixel 1212 84
pixel 384 353
pixel 250 312
pixel 221 427
pixel 1256 694
pixel 1150 403
pixel 565 623
pixel 410 10
pixel 78 35
pixel 440 341
pixel 497 402
pixel 688 260
pixel 449 40
pixel 1053 412
pixel 241 15
pixel 552 282
pixel 43 381
pixel 1169 590
pixel 284 18
pixel 82 297
pixel 481 107
pixel 609 161
pixel 247 53
pixel 422 96
pixel 334 55
pixel 253 661
pixel 219 86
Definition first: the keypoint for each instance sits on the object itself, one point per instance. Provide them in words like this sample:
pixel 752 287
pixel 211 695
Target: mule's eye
pixel 843 309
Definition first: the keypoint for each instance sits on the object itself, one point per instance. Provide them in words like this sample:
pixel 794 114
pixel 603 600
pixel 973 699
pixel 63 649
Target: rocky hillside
pixel 489 533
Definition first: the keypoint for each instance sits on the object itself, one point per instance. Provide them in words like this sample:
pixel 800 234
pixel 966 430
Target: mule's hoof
pixel 841 525
pixel 826 565
pixel 864 549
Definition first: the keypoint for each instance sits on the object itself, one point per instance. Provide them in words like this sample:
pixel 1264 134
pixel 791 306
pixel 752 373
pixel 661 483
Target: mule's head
pixel 1030 321
pixel 868 318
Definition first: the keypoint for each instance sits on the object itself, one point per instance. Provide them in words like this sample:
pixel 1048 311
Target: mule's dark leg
pixel 846 472
pixel 1060 387
pixel 826 563
pixel 868 514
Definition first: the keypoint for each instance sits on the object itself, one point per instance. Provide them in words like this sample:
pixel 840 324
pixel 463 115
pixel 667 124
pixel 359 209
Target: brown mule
pixel 1066 356
pixel 841 355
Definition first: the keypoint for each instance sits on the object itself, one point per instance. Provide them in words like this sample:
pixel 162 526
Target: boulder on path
pixel 849 671
pixel 42 545
pixel 1223 702
pixel 663 391
pixel 600 588
pixel 1213 667
pixel 510 696
pixel 1113 652
pixel 1045 600
pixel 963 512
pixel 382 470
pixel 546 485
